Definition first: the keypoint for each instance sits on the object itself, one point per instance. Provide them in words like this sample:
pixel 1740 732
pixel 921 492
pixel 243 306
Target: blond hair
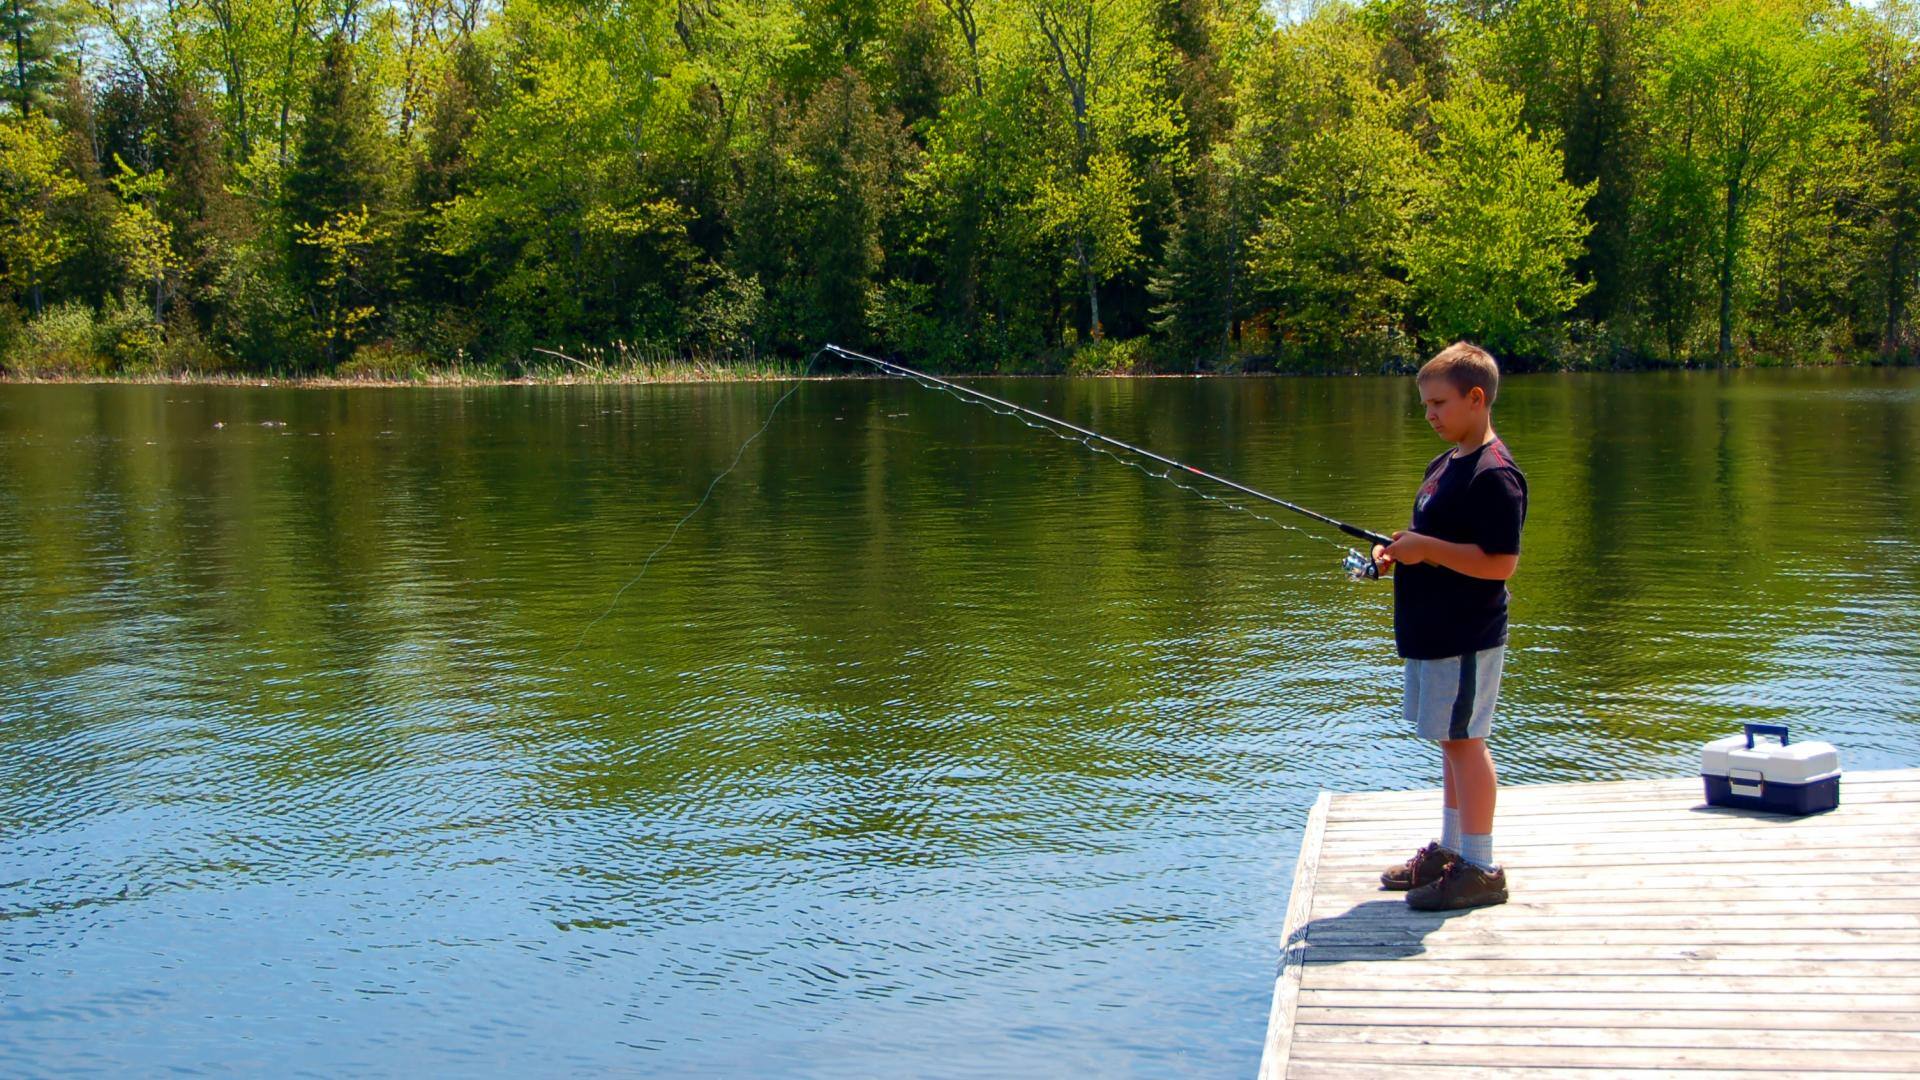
pixel 1466 366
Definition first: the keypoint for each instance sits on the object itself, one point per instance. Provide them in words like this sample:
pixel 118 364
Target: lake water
pixel 930 746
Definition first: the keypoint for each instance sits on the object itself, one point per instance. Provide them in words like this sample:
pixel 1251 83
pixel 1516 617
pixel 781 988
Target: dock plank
pixel 1459 1031
pixel 1647 935
pixel 1610 1058
pixel 1820 1027
pixel 1346 1070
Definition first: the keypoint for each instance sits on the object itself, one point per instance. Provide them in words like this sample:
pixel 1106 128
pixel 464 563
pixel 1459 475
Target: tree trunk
pixel 20 57
pixel 1726 273
pixel 1231 301
pixel 1896 298
pixel 1094 333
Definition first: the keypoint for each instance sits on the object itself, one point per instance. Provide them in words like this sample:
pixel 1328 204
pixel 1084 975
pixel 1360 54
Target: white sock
pixel 1450 828
pixel 1478 850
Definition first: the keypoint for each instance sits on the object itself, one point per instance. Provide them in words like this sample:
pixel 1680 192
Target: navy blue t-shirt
pixel 1478 498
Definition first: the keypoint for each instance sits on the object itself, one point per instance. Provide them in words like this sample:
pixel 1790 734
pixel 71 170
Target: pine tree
pixel 1197 282
pixel 335 199
pixel 848 152
pixel 33 30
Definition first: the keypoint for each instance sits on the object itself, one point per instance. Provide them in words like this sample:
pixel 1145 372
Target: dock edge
pixel 1286 985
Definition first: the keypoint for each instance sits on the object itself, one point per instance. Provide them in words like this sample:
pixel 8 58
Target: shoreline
pixel 464 380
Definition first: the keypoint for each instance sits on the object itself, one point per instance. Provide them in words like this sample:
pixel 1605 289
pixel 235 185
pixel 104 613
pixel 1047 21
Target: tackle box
pixel 1782 777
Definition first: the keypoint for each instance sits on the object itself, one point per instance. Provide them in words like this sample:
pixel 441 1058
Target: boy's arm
pixel 1468 559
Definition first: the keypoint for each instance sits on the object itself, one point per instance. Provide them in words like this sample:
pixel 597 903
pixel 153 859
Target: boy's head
pixel 1457 387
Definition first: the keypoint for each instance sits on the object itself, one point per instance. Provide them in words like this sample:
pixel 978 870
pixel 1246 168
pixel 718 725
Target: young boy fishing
pixel 1450 568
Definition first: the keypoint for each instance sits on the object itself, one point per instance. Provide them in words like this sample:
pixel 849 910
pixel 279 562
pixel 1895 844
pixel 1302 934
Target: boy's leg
pixel 1456 711
pixel 1449 804
pixel 1476 786
pixel 1430 861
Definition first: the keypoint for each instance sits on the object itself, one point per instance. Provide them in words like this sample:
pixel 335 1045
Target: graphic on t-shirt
pixel 1426 492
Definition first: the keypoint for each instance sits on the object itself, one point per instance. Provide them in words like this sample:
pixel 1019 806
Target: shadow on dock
pixel 1384 929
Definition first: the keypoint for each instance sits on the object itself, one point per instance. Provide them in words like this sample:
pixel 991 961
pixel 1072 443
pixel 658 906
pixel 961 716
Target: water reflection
pixel 930 746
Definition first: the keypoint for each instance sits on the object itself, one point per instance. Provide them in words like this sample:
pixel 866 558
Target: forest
pixel 393 188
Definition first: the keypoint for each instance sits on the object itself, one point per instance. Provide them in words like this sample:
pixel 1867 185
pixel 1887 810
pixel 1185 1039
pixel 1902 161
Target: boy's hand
pixel 1407 547
pixel 1382 560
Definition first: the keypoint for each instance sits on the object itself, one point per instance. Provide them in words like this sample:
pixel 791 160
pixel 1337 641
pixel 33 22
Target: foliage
pixel 33 185
pixel 1491 258
pixel 72 338
pixel 35 31
pixel 1198 284
pixel 1340 166
pixel 1108 357
pixel 302 185
pixel 1743 88
pixel 1580 69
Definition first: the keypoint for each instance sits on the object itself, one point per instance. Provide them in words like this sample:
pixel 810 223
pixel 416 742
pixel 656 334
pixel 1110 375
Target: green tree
pixel 335 188
pixel 1673 239
pixel 921 71
pixel 972 278
pixel 1498 229
pixel 466 93
pixel 1889 42
pixel 33 184
pixel 848 156
pixel 89 269
pixel 1806 246
pixel 1414 43
pixel 1743 86
pixel 1094 58
pixel 1580 69
pixel 568 234
pixel 34 31
pixel 973 182
pixel 142 240
pixel 1198 284
pixel 209 224
pixel 1339 167
pixel 837 35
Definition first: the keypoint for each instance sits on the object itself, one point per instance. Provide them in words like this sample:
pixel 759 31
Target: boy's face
pixel 1452 415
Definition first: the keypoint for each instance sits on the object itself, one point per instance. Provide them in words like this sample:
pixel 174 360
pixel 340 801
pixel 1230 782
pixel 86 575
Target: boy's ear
pixel 1476 396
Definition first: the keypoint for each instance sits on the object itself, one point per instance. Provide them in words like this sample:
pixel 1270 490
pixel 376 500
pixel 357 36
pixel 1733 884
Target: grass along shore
pixel 623 364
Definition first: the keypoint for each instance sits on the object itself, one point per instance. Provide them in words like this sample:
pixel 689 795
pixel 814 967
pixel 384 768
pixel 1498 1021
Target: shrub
pixel 127 336
pixel 384 361
pixel 1109 357
pixel 61 341
pixel 11 325
pixel 261 321
pixel 185 350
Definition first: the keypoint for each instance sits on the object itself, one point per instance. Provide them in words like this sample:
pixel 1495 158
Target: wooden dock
pixel 1647 934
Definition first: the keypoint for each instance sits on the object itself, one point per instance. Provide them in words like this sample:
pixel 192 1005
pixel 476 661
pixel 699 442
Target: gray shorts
pixel 1453 698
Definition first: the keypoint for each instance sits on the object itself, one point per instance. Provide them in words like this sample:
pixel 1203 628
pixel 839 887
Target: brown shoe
pixel 1426 865
pixel 1463 885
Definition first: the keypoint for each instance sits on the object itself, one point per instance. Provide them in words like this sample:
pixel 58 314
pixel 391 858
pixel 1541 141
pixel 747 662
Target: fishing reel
pixel 1360 567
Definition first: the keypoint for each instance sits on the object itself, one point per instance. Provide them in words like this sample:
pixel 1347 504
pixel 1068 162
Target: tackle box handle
pixel 1766 729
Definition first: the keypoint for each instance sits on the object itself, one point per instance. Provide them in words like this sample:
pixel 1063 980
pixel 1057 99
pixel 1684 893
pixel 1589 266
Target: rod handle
pixel 1359 533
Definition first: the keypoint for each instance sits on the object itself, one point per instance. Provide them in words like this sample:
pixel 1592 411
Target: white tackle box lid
pixel 1778 762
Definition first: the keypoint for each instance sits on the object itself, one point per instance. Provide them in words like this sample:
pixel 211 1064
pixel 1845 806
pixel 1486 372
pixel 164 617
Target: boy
pixel 1450 568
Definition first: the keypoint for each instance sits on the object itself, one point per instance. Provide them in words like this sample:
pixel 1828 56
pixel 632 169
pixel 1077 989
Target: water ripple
pixel 932 745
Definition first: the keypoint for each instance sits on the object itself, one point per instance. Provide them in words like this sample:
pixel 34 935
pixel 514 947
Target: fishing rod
pixel 1357 565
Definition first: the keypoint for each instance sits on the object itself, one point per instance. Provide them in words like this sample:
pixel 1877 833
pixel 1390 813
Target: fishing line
pixel 738 454
pixel 1357 565
pixel 1167 475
